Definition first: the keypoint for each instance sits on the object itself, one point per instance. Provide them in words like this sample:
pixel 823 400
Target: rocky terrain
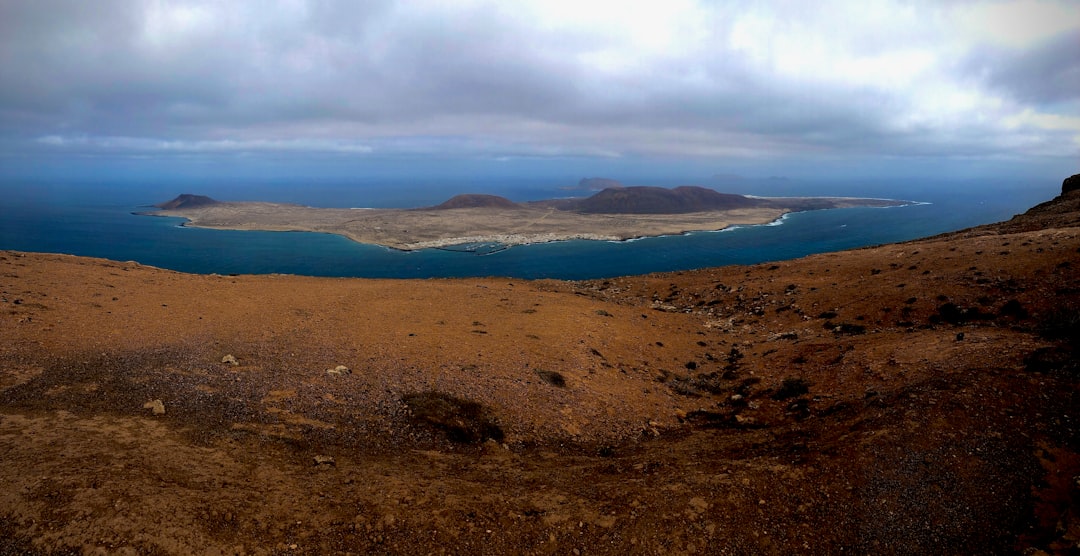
pixel 905 399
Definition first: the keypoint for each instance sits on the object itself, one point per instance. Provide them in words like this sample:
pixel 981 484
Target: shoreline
pixel 417 229
pixel 506 240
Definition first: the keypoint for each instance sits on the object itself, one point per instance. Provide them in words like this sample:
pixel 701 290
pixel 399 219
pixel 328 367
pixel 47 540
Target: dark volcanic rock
pixel 658 200
pixel 476 201
pixel 1071 183
pixel 187 200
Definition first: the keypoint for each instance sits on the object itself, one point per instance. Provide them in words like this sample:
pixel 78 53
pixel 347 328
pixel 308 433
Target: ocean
pixel 96 220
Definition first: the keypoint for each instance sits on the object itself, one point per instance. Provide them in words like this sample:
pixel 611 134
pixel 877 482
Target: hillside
pixel 187 201
pixel 475 200
pixel 659 200
pixel 687 199
pixel 909 398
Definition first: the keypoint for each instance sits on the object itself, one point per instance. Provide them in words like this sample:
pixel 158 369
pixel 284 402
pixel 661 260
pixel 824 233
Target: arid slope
pixel 911 398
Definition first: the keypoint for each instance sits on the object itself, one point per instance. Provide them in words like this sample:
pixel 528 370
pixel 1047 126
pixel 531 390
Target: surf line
pixel 476 249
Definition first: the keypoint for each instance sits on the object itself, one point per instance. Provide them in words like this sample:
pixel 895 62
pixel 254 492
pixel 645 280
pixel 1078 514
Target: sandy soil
pixel 427 228
pixel 911 398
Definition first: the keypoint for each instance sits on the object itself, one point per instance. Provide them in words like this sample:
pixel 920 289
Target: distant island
pixel 615 213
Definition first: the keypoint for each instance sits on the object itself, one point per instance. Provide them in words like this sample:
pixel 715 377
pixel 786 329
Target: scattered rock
pixel 230 360
pixel 157 407
pixel 553 378
pixel 658 306
pixel 1014 309
pixel 327 461
pixel 954 314
pixel 745 421
pixel 339 370
pixel 463 421
pixel 790 388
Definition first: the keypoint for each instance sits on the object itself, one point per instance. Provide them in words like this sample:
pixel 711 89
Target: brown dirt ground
pixel 910 398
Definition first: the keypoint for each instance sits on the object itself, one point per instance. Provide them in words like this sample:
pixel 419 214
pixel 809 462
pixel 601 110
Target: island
pixel 613 214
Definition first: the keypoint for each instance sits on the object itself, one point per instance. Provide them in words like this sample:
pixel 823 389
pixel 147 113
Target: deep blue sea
pixel 95 219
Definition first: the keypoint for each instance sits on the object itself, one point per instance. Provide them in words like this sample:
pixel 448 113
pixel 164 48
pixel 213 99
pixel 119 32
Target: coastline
pixel 412 230
pixel 429 228
pixel 507 240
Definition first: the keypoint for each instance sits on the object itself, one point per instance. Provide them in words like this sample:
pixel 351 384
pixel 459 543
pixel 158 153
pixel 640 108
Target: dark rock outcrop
pixel 187 200
pixel 1071 183
pixel 476 201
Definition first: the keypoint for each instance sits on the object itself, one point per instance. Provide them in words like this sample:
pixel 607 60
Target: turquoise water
pixel 96 221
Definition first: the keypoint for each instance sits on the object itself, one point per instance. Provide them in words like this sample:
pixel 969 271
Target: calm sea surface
pixel 95 220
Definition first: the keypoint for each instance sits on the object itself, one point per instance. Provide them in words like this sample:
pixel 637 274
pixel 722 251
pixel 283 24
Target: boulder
pixel 1071 183
pixel 157 407
pixel 230 360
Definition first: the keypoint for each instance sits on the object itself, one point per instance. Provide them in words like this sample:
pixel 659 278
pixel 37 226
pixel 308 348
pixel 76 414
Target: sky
pixel 143 88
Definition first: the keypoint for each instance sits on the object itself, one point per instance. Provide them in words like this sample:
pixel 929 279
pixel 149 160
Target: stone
pixel 324 460
pixel 157 407
pixel 339 370
pixel 1071 183
pixel 745 421
pixel 230 360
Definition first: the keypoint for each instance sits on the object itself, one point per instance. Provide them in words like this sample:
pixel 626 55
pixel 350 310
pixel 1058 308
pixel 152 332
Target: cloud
pixel 614 80
pixel 142 144
pixel 1047 72
pixel 1015 24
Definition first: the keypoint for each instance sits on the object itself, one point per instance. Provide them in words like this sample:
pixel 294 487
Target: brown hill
pixel 911 398
pixel 657 200
pixel 475 200
pixel 187 200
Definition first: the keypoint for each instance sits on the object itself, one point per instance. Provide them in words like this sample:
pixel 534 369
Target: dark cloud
pixel 385 77
pixel 1043 74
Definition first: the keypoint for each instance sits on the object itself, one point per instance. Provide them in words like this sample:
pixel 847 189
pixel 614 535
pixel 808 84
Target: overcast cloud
pixel 720 83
